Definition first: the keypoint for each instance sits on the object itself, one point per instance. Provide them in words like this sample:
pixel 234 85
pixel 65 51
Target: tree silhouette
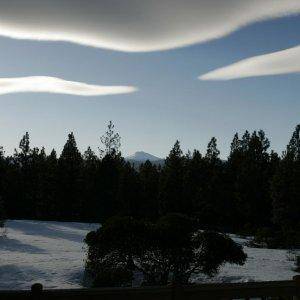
pixel 168 251
pixel 70 189
pixel 286 193
pixel 171 189
pixel 111 141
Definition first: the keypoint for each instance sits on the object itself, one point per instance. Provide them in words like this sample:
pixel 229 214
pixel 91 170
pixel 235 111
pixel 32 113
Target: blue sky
pixel 171 102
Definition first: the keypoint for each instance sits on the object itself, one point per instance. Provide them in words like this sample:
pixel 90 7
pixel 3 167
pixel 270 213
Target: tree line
pixel 254 191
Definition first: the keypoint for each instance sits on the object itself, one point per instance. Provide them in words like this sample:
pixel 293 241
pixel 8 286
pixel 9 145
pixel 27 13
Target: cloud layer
pixel 45 84
pixel 280 62
pixel 134 25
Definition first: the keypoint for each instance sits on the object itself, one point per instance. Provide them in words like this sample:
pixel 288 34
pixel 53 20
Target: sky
pixel 192 72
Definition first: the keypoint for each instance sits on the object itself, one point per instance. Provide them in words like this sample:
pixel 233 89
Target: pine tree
pixel 24 147
pixel 109 173
pixel 286 193
pixel 236 145
pixel 233 169
pixel 194 182
pixel 38 180
pixel 90 170
pixel 111 141
pixel 172 198
pixel 21 188
pixel 149 176
pixel 108 180
pixel 250 167
pixel 70 189
pixel 211 205
pixel 212 152
pixel 293 148
pixel 48 201
pixel 129 192
pixel 245 141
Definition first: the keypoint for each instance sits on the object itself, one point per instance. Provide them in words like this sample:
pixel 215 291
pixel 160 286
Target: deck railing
pixel 258 290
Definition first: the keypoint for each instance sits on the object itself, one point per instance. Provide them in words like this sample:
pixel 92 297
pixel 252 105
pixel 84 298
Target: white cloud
pixel 45 84
pixel 280 62
pixel 135 25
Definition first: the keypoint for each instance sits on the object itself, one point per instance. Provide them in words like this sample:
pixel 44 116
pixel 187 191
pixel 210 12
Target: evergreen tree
pixel 109 173
pixel 111 141
pixel 25 148
pixel 149 176
pixel 22 181
pixel 48 204
pixel 212 152
pixel 129 192
pixel 211 206
pixel 233 170
pixel 245 141
pixel 108 180
pixel 38 179
pixel 251 167
pixel 91 165
pixel 293 147
pixel 194 183
pixel 172 198
pixel 286 193
pixel 70 189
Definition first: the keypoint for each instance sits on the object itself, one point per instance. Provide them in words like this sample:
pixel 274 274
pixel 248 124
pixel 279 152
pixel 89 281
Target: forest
pixel 255 191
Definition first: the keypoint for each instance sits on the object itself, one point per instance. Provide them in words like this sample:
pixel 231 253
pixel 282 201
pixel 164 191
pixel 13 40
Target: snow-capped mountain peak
pixel 142 156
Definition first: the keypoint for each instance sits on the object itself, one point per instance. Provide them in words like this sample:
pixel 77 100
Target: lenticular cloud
pixel 45 84
pixel 134 25
pixel 280 62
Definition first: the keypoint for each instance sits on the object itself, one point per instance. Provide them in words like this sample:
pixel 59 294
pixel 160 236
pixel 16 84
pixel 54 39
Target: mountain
pixel 140 157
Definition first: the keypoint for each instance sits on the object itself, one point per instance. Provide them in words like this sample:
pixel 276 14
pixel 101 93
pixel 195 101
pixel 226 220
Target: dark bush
pixel 297 263
pixel 168 251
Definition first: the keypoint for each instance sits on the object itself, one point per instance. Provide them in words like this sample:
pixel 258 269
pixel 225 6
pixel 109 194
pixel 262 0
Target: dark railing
pixel 263 290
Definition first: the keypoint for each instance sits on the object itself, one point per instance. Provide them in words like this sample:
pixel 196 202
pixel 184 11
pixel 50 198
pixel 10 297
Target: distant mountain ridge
pixel 140 157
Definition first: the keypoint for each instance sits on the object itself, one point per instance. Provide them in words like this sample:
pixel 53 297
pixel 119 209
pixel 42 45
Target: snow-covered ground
pixel 53 254
pixel 261 265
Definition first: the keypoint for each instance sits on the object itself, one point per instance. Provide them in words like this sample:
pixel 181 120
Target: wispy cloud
pixel 280 62
pixel 45 84
pixel 131 25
